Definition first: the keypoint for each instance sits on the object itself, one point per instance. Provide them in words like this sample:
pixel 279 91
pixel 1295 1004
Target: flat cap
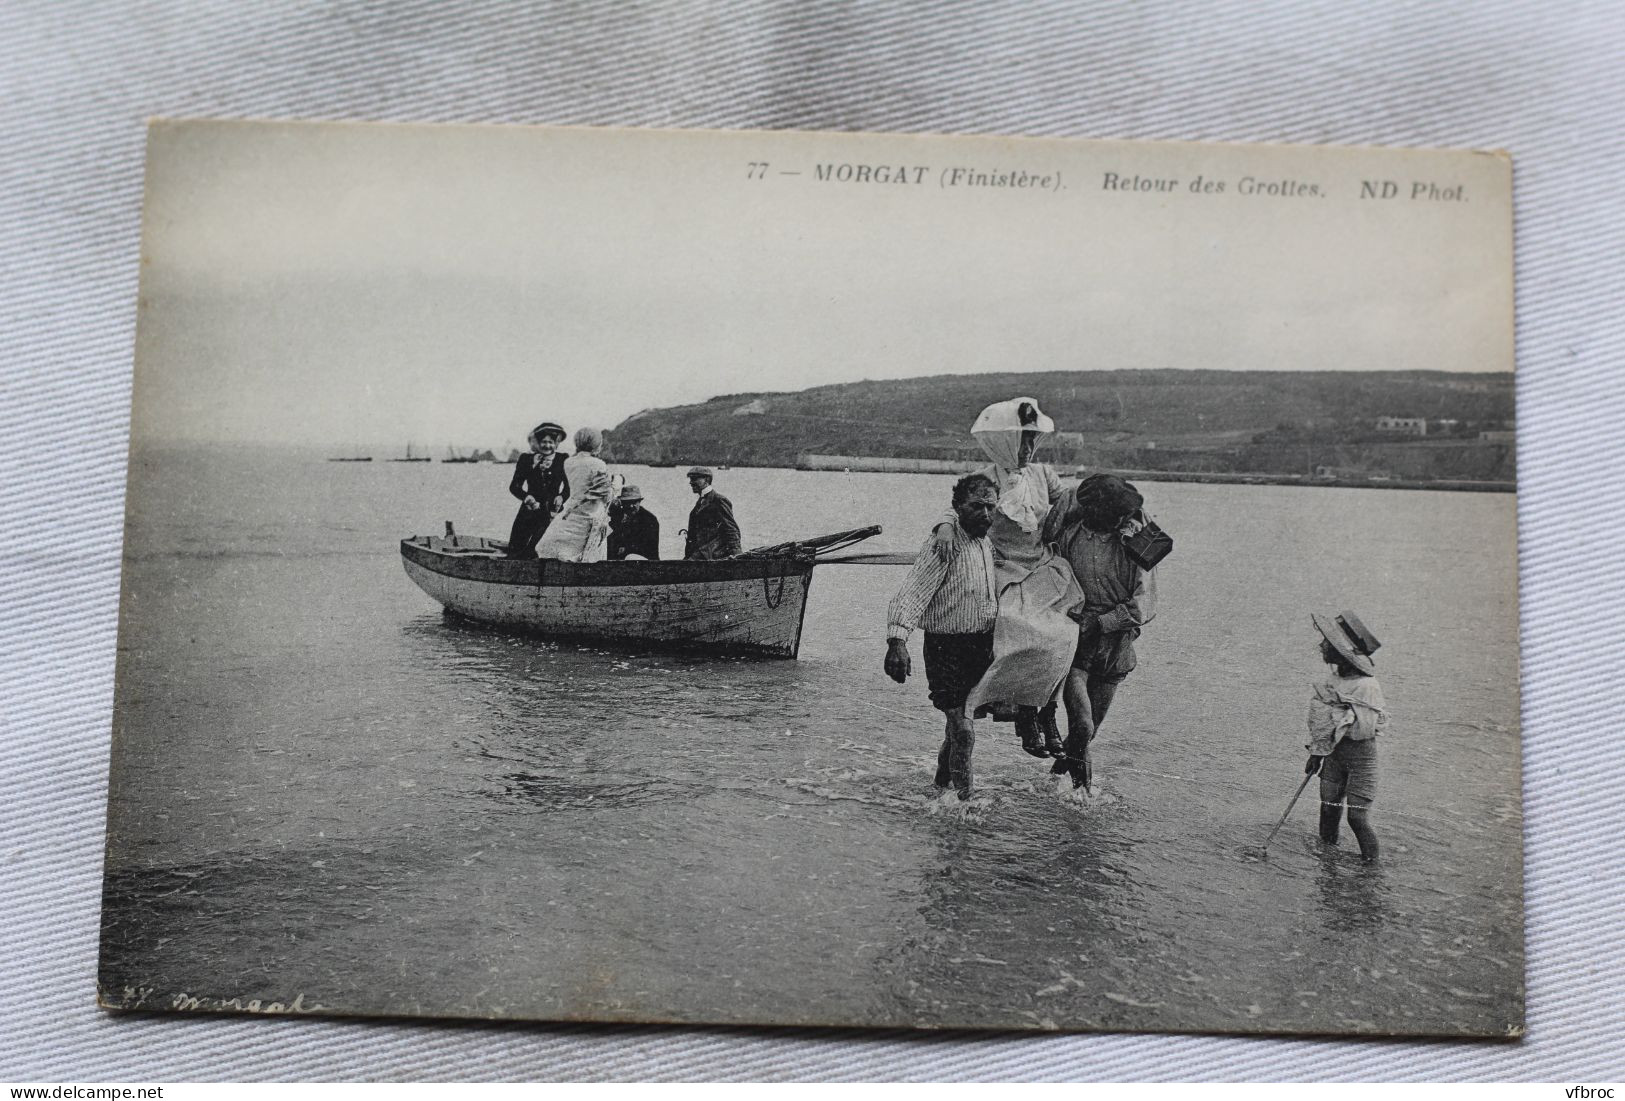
pixel 700 472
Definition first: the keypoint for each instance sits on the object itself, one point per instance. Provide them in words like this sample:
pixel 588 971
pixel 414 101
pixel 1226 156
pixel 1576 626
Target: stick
pixel 870 558
pixel 1289 806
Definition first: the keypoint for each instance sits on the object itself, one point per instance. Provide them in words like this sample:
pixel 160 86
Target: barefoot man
pixel 951 597
pixel 1087 527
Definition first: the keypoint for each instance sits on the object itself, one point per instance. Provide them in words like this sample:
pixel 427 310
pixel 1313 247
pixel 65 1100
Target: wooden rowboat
pixel 751 604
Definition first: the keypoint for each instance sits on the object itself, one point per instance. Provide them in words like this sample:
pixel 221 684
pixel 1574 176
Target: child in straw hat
pixel 1346 713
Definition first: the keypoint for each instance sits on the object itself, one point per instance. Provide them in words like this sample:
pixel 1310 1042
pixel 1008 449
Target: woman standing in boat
pixel 581 531
pixel 540 485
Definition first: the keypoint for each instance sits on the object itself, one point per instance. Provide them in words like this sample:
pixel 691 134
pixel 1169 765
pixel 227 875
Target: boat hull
pixel 746 606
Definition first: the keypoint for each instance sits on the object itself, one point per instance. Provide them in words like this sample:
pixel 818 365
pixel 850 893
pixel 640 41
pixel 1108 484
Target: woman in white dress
pixel 580 533
pixel 1033 640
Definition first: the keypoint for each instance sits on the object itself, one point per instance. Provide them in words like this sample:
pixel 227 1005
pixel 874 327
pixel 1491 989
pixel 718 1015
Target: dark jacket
pixel 712 530
pixel 544 485
pixel 633 533
pixel 1114 590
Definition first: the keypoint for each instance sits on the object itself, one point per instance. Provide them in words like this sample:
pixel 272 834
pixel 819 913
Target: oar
pixel 1262 849
pixel 871 558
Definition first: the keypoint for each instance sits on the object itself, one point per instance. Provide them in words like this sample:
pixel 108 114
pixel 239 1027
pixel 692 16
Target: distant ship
pixel 475 456
pixel 411 458
pixel 351 459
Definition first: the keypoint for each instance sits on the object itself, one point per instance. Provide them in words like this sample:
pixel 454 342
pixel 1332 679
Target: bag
pixel 1149 545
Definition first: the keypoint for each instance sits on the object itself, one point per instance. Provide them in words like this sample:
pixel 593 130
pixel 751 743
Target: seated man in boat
pixel 951 596
pixel 633 529
pixel 712 530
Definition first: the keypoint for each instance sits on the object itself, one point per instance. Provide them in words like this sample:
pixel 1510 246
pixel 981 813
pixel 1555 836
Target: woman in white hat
pixel 1034 640
pixel 581 531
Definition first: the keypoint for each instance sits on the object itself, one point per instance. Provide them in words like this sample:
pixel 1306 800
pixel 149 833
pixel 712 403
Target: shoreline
pixel 931 466
pixel 1448 484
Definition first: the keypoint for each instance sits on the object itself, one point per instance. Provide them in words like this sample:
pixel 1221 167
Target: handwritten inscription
pixel 139 997
pixel 185 1002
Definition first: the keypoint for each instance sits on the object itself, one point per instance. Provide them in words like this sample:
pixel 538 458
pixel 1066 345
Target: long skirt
pixel 575 537
pixel 528 527
pixel 1033 639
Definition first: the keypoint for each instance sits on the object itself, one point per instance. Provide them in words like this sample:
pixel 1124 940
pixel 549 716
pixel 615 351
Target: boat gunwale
pixel 498 570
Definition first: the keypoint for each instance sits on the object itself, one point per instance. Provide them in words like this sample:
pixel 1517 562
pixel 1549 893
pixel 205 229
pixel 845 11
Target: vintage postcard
pixel 1161 668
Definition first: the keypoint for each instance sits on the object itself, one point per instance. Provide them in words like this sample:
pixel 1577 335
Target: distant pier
pixel 875 464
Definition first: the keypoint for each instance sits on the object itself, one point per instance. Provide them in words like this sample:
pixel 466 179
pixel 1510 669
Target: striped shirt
pixel 955 597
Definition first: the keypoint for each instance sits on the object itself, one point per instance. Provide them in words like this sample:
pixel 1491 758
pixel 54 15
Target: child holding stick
pixel 1346 713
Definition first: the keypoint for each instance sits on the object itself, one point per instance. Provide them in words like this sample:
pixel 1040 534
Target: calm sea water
pixel 326 795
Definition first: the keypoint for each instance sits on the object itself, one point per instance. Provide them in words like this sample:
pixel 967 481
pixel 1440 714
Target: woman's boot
pixel 1051 732
pixel 1027 729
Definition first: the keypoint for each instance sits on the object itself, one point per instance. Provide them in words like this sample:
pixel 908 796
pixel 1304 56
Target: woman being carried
pixel 579 533
pixel 1033 638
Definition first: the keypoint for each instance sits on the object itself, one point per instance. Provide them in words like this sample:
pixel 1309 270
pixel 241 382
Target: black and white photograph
pixel 814 579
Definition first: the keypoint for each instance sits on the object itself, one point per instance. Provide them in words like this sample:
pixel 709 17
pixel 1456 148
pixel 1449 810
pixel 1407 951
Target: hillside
pixel 1271 422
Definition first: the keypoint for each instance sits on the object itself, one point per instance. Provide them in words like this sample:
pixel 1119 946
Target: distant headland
pixel 1399 429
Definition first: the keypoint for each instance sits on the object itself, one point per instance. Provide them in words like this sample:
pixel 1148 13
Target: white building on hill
pixel 1404 426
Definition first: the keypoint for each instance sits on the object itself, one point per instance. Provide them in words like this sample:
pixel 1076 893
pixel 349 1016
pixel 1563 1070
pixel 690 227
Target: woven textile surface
pixel 78 80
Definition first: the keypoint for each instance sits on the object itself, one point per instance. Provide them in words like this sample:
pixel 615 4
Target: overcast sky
pixel 350 286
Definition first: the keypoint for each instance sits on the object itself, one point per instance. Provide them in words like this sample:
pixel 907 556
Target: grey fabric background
pixel 1544 81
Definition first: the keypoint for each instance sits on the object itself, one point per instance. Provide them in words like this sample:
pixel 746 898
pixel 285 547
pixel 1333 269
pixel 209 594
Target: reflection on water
pixel 1354 897
pixel 323 788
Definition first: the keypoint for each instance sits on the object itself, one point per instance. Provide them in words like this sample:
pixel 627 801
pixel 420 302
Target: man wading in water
pixel 949 593
pixel 1087 528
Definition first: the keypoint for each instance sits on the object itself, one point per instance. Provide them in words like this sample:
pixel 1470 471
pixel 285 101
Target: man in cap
pixel 540 485
pixel 633 529
pixel 712 530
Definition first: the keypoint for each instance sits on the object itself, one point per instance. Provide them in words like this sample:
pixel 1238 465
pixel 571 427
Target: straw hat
pixel 1350 638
